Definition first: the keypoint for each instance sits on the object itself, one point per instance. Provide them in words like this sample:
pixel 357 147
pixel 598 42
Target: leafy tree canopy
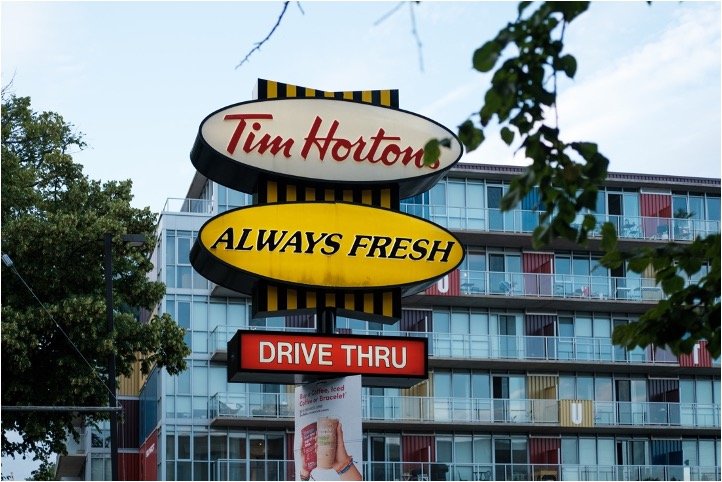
pixel 53 222
pixel 526 58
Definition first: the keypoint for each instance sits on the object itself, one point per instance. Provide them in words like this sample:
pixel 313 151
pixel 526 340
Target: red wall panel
pixel 149 458
pixel 129 466
pixel 449 285
pixel 537 263
pixel 656 205
pixel 418 448
pixel 540 325
pixel 544 450
pixel 129 424
pixel 699 357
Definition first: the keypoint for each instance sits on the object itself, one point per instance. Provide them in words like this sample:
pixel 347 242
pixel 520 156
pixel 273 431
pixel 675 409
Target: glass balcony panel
pixel 706 415
pixel 479 346
pixel 480 410
pixel 535 347
pixel 604 413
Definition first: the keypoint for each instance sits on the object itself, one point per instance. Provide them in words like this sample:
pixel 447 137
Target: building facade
pixel 524 382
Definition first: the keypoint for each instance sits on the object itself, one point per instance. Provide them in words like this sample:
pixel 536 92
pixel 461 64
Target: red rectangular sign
pixel 338 355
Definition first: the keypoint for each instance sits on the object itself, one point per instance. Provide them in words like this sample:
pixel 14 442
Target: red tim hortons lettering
pixel 379 148
pixel 266 142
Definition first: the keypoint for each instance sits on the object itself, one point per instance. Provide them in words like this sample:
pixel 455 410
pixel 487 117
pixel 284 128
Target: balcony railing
pixel 252 405
pixel 543 285
pixel 524 221
pixel 276 470
pixel 482 410
pixel 503 347
pixel 542 348
pixel 186 205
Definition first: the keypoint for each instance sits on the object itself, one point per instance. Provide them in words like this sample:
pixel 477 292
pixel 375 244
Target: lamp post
pixel 132 240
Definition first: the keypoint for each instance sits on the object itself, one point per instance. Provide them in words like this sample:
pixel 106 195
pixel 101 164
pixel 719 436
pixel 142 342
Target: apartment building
pixel 524 382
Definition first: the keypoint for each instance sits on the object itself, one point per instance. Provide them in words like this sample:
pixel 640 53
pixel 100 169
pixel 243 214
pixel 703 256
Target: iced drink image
pixel 326 442
pixel 308 445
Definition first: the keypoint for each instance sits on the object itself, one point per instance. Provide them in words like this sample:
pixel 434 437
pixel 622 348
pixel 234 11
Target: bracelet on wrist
pixel 347 467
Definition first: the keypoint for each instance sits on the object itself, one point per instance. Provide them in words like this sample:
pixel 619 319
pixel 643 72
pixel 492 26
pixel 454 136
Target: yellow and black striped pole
pixel 273 299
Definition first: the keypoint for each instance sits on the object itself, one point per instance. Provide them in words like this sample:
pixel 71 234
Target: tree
pixel 46 471
pixel 53 221
pixel 523 97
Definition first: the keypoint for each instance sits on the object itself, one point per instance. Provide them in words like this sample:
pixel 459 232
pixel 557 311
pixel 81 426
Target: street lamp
pixel 132 240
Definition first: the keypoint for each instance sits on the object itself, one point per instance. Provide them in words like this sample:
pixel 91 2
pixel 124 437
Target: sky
pixel 137 78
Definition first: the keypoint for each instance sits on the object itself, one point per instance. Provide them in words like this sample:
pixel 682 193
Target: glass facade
pixel 524 382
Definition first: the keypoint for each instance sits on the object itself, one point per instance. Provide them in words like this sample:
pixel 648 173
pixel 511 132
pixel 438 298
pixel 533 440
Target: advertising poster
pixel 328 439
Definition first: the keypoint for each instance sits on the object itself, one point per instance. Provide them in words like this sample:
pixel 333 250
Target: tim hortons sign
pixel 320 140
pixel 282 357
pixel 326 236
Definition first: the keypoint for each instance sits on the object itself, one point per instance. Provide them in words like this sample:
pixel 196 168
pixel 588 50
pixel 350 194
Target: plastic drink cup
pixel 308 447
pixel 326 442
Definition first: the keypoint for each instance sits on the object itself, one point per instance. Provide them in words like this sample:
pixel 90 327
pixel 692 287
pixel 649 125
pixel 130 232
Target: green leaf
pixel 522 6
pixel 569 65
pixel 470 135
pixel 431 152
pixel 589 222
pixel 485 57
pixel 672 284
pixel 609 237
pixel 507 135
pixel 638 264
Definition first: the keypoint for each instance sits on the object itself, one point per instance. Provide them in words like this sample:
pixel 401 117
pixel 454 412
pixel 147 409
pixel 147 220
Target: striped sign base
pixel 274 299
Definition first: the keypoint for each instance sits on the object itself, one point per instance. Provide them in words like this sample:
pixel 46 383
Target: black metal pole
pixel 112 401
pixel 326 321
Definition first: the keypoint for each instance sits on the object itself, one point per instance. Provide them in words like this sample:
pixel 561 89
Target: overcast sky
pixel 137 78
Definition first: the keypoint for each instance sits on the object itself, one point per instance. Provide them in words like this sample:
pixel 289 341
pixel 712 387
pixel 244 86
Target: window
pixel 505 273
pixel 473 272
pixel 178 270
pixel 229 199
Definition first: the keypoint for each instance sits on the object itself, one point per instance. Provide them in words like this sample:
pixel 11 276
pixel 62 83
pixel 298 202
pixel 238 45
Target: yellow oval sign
pixel 323 244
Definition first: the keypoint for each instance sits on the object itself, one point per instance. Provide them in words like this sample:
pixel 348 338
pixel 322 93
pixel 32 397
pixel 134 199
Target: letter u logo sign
pixel 443 284
pixel 577 413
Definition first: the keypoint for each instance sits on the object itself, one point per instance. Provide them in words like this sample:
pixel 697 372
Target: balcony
pixel 519 221
pixel 498 347
pixel 228 408
pixel 252 405
pixel 564 286
pixel 188 206
pixel 277 470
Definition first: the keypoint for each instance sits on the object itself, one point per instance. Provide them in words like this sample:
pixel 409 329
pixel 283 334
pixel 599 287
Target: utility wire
pixel 9 263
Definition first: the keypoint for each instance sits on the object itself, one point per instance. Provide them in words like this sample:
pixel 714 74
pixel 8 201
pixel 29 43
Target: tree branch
pixel 415 33
pixel 388 14
pixel 260 44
